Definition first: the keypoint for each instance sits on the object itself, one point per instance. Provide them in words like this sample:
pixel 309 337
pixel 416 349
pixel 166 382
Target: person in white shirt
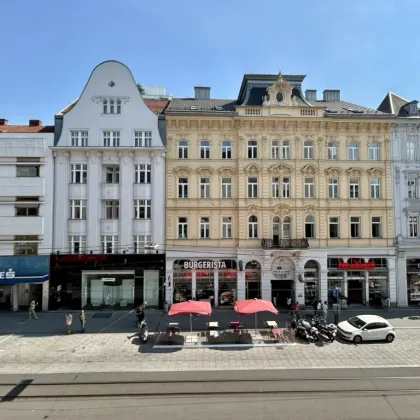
pixel 32 310
pixel 325 310
pixel 319 308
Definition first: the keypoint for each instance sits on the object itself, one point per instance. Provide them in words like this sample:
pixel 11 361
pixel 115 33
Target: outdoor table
pixel 214 325
pixel 271 324
pixel 172 328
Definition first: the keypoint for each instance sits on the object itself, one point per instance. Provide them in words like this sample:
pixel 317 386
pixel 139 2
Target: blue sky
pixel 49 48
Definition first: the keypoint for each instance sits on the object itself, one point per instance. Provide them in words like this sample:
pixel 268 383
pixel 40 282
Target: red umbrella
pixel 192 307
pixel 253 306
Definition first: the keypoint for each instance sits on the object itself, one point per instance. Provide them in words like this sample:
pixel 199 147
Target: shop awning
pixel 25 279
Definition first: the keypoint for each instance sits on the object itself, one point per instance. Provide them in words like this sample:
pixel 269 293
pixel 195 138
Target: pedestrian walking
pixel 69 320
pixel 32 306
pixel 289 304
pixel 82 317
pixel 319 308
pixel 296 308
pixel 325 310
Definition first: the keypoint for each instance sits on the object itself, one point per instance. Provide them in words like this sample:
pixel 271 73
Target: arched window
pixel 353 151
pixel 183 150
pixel 252 149
pixel 205 150
pixel 227 150
pixel 287 228
pixel 332 150
pixel 310 227
pixel 308 150
pixel 253 227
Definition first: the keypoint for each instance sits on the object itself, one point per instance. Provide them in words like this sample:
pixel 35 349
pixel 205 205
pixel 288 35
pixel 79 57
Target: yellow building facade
pixel 278 195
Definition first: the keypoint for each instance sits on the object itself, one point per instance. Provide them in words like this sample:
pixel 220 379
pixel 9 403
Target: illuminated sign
pixel 211 265
pixel 7 274
pixel 356 265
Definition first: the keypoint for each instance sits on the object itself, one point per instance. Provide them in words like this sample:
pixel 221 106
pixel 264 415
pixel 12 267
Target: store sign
pixel 357 265
pixel 108 279
pixel 7 274
pixel 211 265
pixel 282 275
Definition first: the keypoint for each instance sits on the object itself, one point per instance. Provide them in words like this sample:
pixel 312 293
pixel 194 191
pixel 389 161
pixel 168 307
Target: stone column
pixel 323 285
pixel 126 201
pixel 194 284
pixel 240 292
pixel 94 208
pixel 266 280
pixel 45 295
pixel 392 281
pixel 216 288
pixel 15 298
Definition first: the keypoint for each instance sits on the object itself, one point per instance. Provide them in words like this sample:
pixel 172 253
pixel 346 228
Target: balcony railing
pixel 285 243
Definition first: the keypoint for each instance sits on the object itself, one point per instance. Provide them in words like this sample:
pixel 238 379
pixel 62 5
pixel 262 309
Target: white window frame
pixel 227 227
pixel 140 242
pixel 253 227
pixel 286 227
pixel 374 151
pixel 413 226
pixel 114 174
pixel 285 187
pixel 310 221
pixel 375 188
pixel 111 138
pixel 79 138
pixel 143 173
pixel 111 106
pixel 78 173
pixel 334 221
pixel 275 148
pixel 142 207
pixel 308 150
pixel 333 188
pixel 252 187
pixel 205 228
pixel 309 188
pixel 353 151
pixel 412 185
pixel 252 149
pixel 78 241
pixel 354 189
pixel 354 222
pixel 109 242
pixel 182 225
pixel 275 187
pixel 78 209
pixel 376 221
pixel 142 138
pixel 227 150
pixel 205 149
pixel 183 149
pixel 332 150
pixel 410 150
pixel 285 150
pixel 205 187
pixel 182 188
pixel 111 209
pixel 226 188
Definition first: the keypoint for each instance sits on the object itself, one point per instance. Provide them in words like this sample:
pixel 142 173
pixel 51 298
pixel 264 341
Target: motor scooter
pixel 327 331
pixel 144 331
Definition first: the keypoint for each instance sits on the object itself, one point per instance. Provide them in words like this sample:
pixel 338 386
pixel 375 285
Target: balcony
pixel 142 191
pixel 110 191
pixel 284 243
pixel 33 187
pixel 25 225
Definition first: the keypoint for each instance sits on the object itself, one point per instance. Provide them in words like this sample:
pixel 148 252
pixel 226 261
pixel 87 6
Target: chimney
pixel 35 123
pixel 310 95
pixel 3 121
pixel 202 92
pixel 331 95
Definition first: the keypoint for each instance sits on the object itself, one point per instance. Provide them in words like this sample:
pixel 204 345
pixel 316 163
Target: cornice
pixel 182 170
pixel 280 168
pixel 252 169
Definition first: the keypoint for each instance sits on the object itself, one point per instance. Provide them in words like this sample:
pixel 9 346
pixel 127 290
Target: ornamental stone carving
pixel 226 171
pixel 253 209
pixel 252 169
pixel 99 99
pixel 310 210
pixel 397 176
pixel 333 171
pixel 205 171
pixel 354 171
pixel 309 169
pixel 281 211
pixel 279 94
pixel 181 170
pixel 280 168
pixel 375 171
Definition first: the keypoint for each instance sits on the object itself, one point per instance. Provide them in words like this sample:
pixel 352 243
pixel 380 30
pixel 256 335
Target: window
pixel 252 149
pixel 373 151
pixel 310 227
pixel 227 150
pixel 112 209
pixel 413 222
pixel 354 188
pixel 412 188
pixel 226 227
pixel 309 188
pixel 376 227
pixel 205 228
pixel 78 173
pixel 183 188
pixel 287 223
pixel 77 244
pixel 27 171
pixel 333 188
pixel 275 186
pixel 355 227
pixel 205 150
pixel 26 245
pixel 275 149
pixel 252 188
pixel 286 187
pixel 143 174
pixel 353 151
pixel 143 138
pixel 332 150
pixel 112 174
pixel 111 138
pixel 286 150
pixel 111 106
pixel 334 227
pixel 78 209
pixel 109 244
pixel 142 209
pixel 226 188
pixel 411 151
pixel 79 138
pixel 253 227
pixel 183 228
pixel 204 187
pixel 183 150
pixel 27 209
pixel 375 190
pixel 140 242
pixel 308 150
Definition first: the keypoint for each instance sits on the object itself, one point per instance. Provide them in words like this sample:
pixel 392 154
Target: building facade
pixel 26 190
pixel 406 176
pixel 278 194
pixel 109 167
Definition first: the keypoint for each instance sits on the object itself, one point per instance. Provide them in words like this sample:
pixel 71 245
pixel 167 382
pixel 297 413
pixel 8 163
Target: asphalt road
pixel 363 394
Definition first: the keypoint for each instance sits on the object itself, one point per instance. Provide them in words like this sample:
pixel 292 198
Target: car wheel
pixel 389 338
pixel 357 339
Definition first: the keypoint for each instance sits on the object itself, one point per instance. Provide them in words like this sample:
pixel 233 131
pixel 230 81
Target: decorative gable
pixel 181 170
pixel 279 94
pixel 280 169
pixel 354 171
pixel 309 169
pixel 252 169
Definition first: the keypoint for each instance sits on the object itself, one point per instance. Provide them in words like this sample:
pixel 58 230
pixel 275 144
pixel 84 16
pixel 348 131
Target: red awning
pixel 192 307
pixel 252 306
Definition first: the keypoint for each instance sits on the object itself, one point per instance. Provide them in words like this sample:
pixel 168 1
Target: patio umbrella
pixel 253 306
pixel 192 307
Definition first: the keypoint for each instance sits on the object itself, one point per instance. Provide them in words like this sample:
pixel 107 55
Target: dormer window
pixel 412 110
pixel 111 106
pixel 279 97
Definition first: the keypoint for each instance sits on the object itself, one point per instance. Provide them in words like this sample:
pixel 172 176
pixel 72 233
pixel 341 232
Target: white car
pixel 366 328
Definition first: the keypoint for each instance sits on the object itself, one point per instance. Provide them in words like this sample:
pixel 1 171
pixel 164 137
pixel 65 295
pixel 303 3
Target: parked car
pixel 366 328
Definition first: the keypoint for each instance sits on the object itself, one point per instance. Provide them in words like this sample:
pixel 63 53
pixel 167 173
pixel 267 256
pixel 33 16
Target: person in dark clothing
pixel 139 315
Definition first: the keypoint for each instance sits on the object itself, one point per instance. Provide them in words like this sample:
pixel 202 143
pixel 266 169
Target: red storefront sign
pixel 356 265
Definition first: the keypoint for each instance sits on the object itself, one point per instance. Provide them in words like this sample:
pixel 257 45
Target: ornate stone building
pixel 293 195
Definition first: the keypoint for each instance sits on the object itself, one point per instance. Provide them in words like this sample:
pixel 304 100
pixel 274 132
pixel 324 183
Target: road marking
pixel 6 338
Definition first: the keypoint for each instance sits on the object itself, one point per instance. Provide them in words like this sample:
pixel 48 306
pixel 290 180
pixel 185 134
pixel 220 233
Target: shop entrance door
pixel 151 287
pixel 356 288
pixel 281 290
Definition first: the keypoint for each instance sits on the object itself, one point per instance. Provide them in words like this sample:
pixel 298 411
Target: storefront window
pixel 311 282
pixel 182 283
pixel 413 281
pixel 205 285
pixel 378 282
pixel 228 284
pixel 335 280
pixel 253 280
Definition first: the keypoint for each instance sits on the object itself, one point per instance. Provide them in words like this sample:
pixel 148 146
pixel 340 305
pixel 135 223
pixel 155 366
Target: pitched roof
pixel 395 104
pixel 201 105
pixel 346 108
pixel 26 129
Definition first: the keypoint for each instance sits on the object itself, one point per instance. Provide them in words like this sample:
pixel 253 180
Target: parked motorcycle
pixel 144 331
pixel 304 329
pixel 327 331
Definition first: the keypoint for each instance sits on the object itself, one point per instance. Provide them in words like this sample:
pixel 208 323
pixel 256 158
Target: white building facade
pixel 26 195
pixel 109 167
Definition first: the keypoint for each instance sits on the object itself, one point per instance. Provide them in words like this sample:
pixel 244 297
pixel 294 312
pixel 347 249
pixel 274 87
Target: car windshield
pixel 356 322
